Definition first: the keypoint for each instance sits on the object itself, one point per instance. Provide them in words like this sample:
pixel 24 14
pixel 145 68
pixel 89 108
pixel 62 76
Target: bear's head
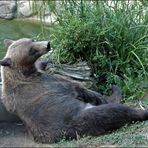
pixel 23 52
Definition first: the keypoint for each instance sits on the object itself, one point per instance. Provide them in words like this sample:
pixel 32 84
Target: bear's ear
pixel 8 42
pixel 6 62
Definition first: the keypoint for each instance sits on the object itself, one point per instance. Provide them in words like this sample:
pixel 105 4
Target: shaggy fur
pixel 52 107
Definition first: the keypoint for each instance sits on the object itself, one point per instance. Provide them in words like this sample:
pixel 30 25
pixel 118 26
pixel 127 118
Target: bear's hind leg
pixel 104 118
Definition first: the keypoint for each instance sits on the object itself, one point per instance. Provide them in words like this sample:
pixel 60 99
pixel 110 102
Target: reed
pixel 111 36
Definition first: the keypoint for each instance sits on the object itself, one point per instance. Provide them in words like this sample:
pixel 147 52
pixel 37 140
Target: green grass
pixel 112 40
pixel 135 135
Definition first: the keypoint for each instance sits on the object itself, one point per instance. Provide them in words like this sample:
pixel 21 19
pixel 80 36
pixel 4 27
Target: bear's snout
pixel 48 46
pixel 42 46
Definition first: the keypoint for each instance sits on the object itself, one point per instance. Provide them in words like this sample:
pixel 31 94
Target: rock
pixel 24 8
pixel 11 9
pixel 79 72
pixel 8 9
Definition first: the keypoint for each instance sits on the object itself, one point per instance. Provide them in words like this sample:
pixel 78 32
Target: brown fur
pixel 52 107
pixel 6 116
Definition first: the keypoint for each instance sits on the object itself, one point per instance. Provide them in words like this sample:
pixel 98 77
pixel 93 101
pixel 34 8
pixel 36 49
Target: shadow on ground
pixel 15 135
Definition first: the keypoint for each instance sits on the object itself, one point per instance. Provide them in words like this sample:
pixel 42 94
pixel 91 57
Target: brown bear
pixel 6 116
pixel 52 107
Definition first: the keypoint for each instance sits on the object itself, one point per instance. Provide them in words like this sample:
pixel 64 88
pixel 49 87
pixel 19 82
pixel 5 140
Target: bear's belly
pixel 88 106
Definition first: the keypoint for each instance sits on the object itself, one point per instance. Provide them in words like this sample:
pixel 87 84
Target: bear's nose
pixel 48 46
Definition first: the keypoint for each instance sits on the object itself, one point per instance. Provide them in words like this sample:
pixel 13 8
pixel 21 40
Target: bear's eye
pixel 32 51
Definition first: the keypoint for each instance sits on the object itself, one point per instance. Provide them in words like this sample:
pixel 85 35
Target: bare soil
pixel 15 135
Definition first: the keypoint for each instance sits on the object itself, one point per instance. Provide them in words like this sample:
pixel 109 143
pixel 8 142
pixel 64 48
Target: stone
pixel 79 72
pixel 8 9
pixel 24 8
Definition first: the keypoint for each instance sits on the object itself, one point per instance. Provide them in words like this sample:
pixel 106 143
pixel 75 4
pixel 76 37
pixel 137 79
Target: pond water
pixel 15 29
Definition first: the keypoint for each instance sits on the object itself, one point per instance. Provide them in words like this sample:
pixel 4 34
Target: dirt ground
pixel 15 135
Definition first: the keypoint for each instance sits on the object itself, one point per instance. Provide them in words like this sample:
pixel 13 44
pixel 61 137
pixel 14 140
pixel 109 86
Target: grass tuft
pixel 111 36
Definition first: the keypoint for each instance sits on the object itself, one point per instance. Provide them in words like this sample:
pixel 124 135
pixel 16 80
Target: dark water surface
pixel 15 29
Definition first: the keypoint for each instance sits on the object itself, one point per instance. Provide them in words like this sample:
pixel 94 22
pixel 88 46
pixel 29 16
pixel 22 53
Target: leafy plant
pixel 112 37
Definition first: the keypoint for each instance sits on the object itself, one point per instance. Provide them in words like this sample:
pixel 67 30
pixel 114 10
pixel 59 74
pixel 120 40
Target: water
pixel 15 29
